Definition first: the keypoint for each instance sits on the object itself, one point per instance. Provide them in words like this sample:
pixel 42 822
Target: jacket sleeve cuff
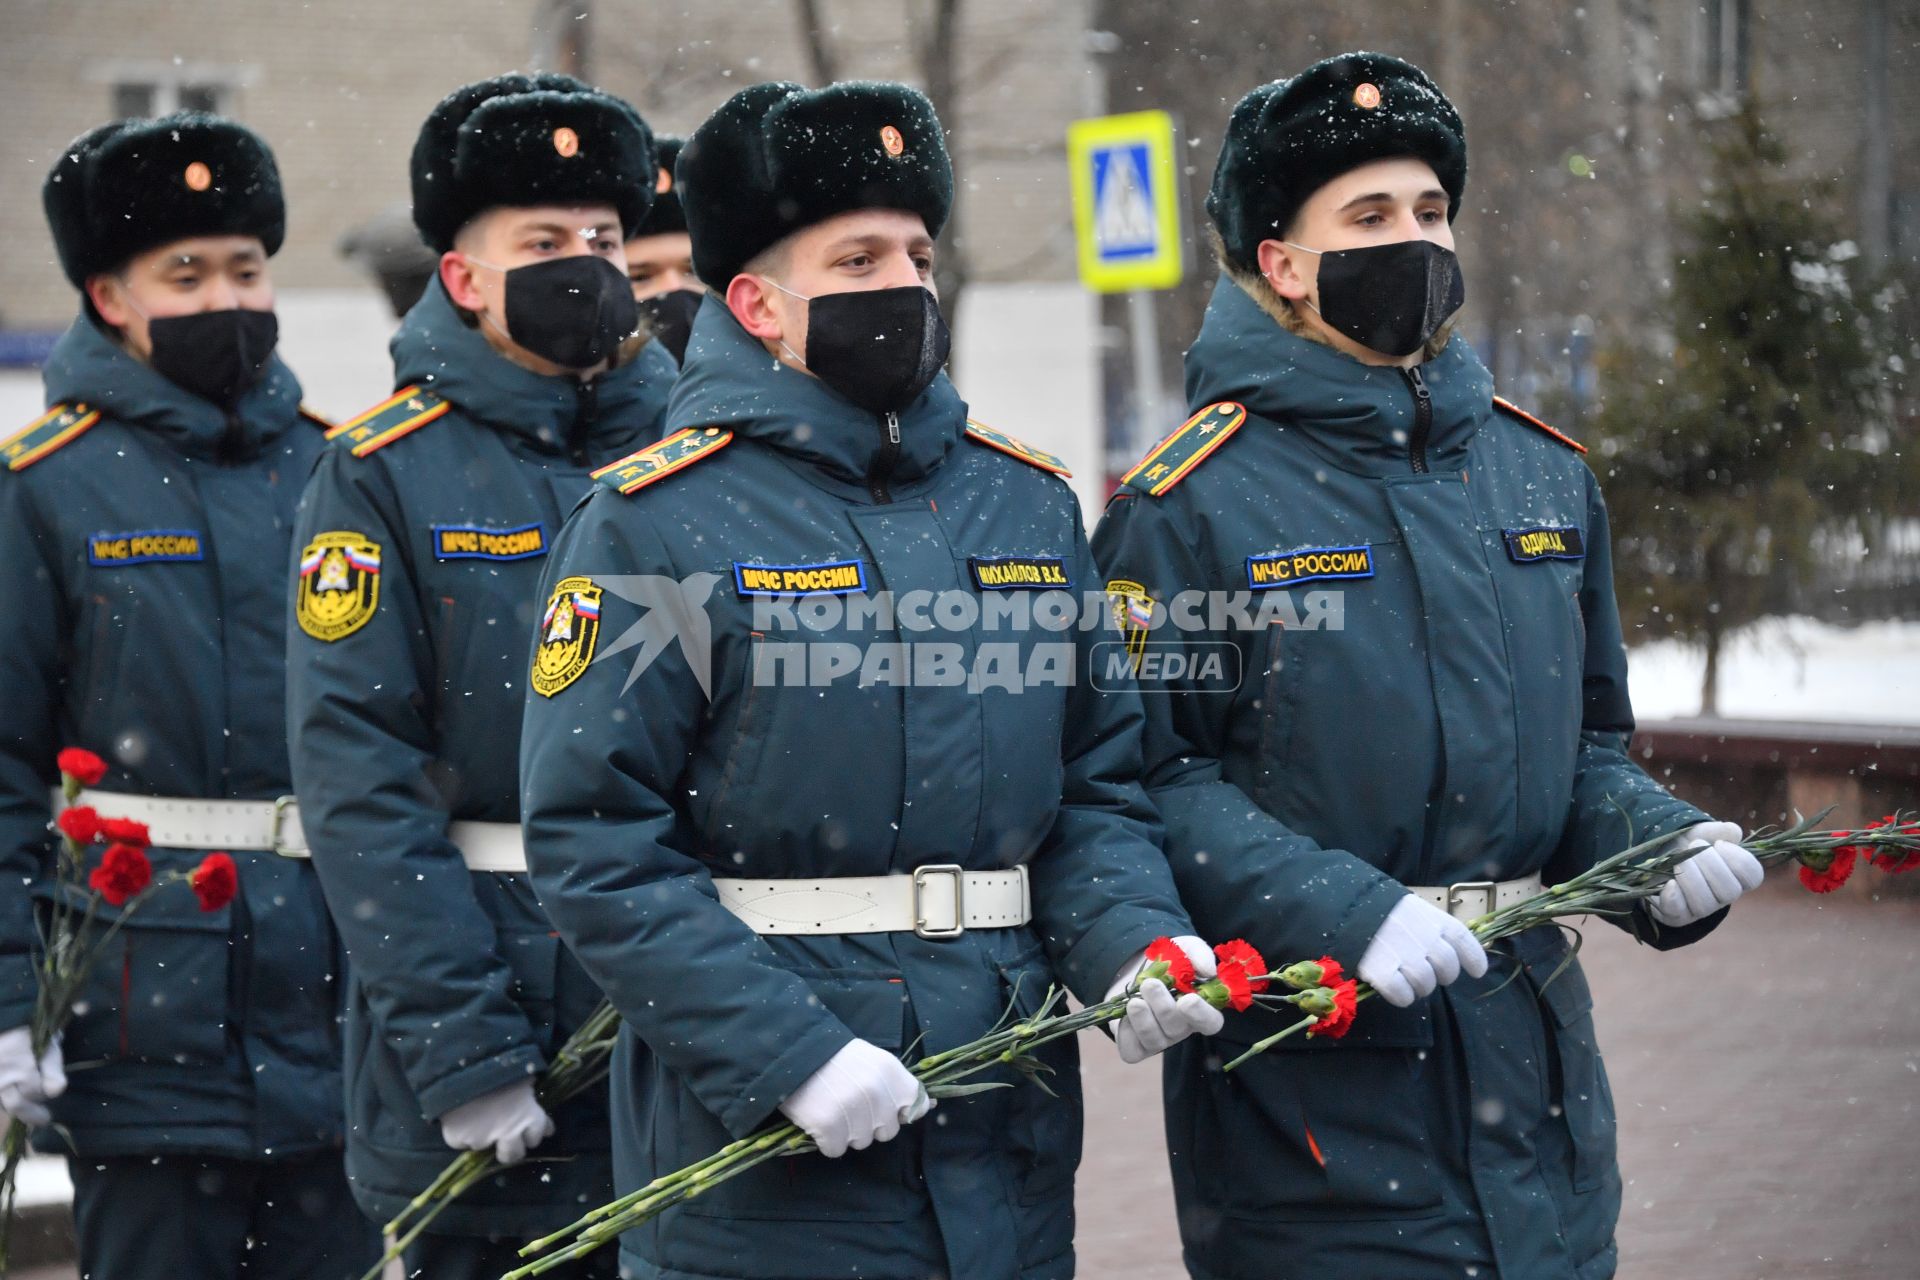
pixel 746 1113
pixel 1090 967
pixel 1649 932
pixel 1365 914
pixel 523 1062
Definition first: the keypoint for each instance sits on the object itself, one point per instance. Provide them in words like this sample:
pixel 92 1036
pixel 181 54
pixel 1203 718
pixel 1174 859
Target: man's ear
pixel 457 276
pixel 751 301
pixel 108 296
pixel 1277 265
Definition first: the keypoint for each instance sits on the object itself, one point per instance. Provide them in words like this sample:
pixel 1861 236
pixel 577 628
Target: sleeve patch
pixel 338 585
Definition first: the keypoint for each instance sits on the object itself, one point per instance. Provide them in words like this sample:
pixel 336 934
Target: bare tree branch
pixel 822 57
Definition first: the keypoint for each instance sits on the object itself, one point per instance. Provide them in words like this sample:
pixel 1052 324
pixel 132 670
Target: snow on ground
pixel 43 1180
pixel 1789 669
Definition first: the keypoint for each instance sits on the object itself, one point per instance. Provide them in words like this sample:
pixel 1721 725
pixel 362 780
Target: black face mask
pixel 1390 298
pixel 880 348
pixel 217 355
pixel 669 318
pixel 574 311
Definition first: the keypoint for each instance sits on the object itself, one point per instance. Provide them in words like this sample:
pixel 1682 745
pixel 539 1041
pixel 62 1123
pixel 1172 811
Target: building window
pixel 1724 48
pixel 146 96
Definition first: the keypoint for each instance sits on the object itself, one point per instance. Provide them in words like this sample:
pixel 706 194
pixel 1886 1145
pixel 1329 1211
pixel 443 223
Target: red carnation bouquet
pixel 75 938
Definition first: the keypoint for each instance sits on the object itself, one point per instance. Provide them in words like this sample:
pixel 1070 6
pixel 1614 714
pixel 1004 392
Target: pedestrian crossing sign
pixel 1126 206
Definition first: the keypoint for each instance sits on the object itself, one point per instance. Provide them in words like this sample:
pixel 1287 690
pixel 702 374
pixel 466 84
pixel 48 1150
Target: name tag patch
pixel 475 542
pixel 1314 564
pixel 1548 542
pixel 835 578
pixel 146 546
pixel 1019 573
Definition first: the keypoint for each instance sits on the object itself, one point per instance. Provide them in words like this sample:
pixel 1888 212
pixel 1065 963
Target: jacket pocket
pixel 160 987
pixel 1583 1095
pixel 1311 1136
pixel 880 1184
pixel 1044 1129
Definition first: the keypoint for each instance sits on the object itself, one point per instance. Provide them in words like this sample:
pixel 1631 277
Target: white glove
pixel 1419 947
pixel 861 1096
pixel 25 1085
pixel 510 1120
pixel 1155 1019
pixel 1710 879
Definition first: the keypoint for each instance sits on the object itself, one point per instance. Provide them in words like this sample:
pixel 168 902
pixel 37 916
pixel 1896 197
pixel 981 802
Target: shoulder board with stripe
pixel 312 415
pixel 59 426
pixel 981 433
pixel 1514 410
pixel 404 412
pixel 1192 443
pixel 659 460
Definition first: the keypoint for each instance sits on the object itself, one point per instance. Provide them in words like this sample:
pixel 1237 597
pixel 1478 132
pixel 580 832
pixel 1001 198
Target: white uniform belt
pixel 1471 899
pixel 935 902
pixel 236 826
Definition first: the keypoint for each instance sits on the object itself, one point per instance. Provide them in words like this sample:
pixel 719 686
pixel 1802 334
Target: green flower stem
pixel 1011 1044
pixel 1613 885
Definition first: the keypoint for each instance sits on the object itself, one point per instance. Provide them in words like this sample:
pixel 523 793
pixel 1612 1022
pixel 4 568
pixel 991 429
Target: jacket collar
pixel 730 381
pixel 438 351
pixel 89 366
pixel 1360 416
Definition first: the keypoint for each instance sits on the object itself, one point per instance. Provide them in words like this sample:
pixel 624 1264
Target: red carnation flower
pixel 1346 1003
pixel 123 872
pixel 1331 974
pixel 1236 985
pixel 82 764
pixel 1180 975
pixel 1241 972
pixel 125 831
pixel 1895 861
pixel 215 881
pixel 1825 879
pixel 1240 955
pixel 81 824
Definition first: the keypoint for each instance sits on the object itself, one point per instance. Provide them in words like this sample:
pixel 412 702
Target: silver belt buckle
pixel 280 807
pixel 1458 896
pixel 920 926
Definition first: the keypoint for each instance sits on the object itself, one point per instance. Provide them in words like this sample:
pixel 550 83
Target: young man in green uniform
pixel 789 884
pixel 422 538
pixel 1432 721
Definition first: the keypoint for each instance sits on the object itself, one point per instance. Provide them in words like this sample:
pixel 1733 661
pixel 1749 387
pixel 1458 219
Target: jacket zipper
pixel 881 468
pixel 1422 420
pixel 585 411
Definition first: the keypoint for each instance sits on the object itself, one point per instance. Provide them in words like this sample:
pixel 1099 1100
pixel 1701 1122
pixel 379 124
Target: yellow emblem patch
pixel 339 586
pixel 1132 614
pixel 568 630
